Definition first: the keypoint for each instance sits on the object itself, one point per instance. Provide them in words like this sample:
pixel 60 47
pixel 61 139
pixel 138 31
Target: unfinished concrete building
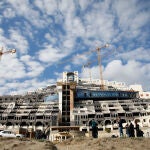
pixel 32 110
pixel 77 102
pixel 81 101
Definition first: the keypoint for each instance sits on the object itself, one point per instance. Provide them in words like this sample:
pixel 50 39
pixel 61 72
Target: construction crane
pixel 98 49
pixel 88 66
pixel 99 64
pixel 6 52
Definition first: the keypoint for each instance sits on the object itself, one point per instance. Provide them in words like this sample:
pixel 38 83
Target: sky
pixel 53 36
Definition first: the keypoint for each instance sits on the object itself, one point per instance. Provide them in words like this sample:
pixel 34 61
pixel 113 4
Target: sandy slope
pixel 25 144
pixel 79 143
pixel 106 144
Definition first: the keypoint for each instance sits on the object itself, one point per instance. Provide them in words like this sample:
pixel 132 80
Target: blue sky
pixel 52 36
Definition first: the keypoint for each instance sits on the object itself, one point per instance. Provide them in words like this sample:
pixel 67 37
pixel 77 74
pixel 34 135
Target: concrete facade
pixel 29 111
pixel 105 112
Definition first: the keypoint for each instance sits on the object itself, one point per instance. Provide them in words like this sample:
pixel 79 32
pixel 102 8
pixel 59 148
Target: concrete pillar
pixel 111 127
pixel 60 138
pixel 50 138
pixel 141 120
pixel 103 128
pixel 34 127
pixel 72 89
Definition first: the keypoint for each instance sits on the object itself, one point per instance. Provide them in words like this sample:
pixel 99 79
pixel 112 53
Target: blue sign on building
pixel 91 94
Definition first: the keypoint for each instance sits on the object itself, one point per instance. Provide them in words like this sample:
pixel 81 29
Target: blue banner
pixel 89 94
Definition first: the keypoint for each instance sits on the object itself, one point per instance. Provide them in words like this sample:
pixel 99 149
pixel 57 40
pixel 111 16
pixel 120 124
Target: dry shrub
pixel 108 130
pixel 32 143
pixel 15 145
pixel 49 145
pixel 5 138
pixel 80 138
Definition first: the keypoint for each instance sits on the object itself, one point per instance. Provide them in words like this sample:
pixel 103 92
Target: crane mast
pixel 100 66
pixel 7 52
pixel 100 69
pixel 88 66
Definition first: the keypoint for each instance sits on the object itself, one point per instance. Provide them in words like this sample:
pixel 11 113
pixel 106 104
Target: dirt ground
pixel 79 143
pixel 105 144
pixel 25 144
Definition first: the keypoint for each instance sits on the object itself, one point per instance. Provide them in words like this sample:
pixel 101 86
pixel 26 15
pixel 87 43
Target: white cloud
pixel 33 68
pixel 79 59
pixel 100 24
pixel 131 17
pixel 67 7
pixel 15 41
pixel 90 71
pixel 67 68
pixel 51 55
pixel 132 72
pixel 49 7
pixel 74 26
pixel 18 40
pixel 83 4
pixel 27 85
pixel 125 12
pixel 16 69
pixel 92 24
pixel 139 54
pixel 141 19
pixel 69 43
pixel 9 13
pixel 50 38
pixel 11 68
pixel 25 9
pixel 58 75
